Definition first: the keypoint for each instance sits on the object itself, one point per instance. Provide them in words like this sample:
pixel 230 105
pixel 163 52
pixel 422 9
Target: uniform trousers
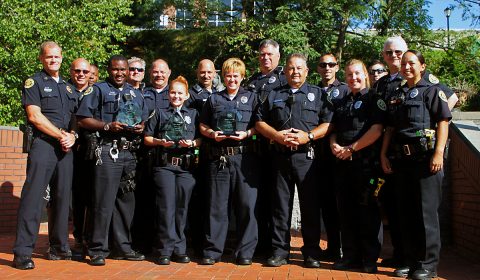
pixel 110 208
pixel 418 196
pixel 45 159
pixel 236 186
pixel 292 169
pixel 173 189
pixel 359 212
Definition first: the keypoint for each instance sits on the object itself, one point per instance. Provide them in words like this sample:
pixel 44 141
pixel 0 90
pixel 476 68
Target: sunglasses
pixel 397 52
pixel 78 71
pixel 377 71
pixel 330 64
pixel 136 68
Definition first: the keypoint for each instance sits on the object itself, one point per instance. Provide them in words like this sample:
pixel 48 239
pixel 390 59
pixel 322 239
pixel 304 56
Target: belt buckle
pixel 176 161
pixel 230 151
pixel 293 148
pixel 406 150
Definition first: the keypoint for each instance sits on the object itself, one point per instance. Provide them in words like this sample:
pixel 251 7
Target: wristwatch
pixel 310 136
pixel 74 134
pixel 351 149
pixel 106 127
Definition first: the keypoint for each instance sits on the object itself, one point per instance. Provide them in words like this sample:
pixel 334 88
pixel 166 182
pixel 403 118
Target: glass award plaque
pixel 130 114
pixel 227 123
pixel 175 128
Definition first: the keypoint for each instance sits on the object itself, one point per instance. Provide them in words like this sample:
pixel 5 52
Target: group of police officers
pixel 141 158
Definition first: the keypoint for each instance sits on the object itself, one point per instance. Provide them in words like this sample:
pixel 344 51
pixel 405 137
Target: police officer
pixel 136 73
pixel 293 117
pixel 49 104
pixel 226 122
pixel 199 93
pixel 156 98
pixel 113 206
pixel 376 70
pixel 358 122
pixel 270 77
pixel 93 74
pixel 81 187
pixel 452 97
pixel 328 67
pixel 415 138
pixel 173 165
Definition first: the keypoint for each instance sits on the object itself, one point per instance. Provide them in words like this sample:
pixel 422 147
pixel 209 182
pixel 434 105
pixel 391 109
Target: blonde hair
pixel 364 68
pixel 233 65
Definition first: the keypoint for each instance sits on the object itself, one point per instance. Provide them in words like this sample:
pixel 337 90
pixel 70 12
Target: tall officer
pixel 413 152
pixel 49 104
pixel 358 122
pixel 102 111
pixel 227 123
pixel 294 117
pixel 270 77
pixel 81 186
pixel 393 49
pixel 156 98
pixel 328 67
pixel 136 73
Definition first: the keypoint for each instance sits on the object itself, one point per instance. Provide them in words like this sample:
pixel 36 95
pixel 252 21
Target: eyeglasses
pixel 397 52
pixel 377 71
pixel 330 64
pixel 78 71
pixel 136 68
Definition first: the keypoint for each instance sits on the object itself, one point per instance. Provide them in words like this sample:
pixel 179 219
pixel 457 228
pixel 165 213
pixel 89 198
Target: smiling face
pixel 117 72
pixel 177 94
pixel 268 58
pixel 136 72
pixel 392 55
pixel 412 68
pixel 296 72
pixel 376 71
pixel 80 73
pixel 356 77
pixel 159 74
pixel 51 59
pixel 232 81
pixel 327 68
pixel 206 73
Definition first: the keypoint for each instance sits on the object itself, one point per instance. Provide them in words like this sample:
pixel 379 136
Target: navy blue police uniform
pixel 232 176
pixel 262 85
pixel 328 202
pixel 412 112
pixel 173 180
pixel 113 207
pixel 356 179
pixel 46 163
pixel 198 97
pixel 303 109
pixel 143 221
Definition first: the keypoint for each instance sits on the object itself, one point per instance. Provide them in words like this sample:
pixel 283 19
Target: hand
pixel 300 137
pixel 336 149
pixel 219 136
pixel 67 140
pixel 117 126
pixel 387 168
pixel 185 143
pixel 240 135
pixel 138 129
pixel 436 162
pixel 285 137
pixel 344 153
pixel 165 143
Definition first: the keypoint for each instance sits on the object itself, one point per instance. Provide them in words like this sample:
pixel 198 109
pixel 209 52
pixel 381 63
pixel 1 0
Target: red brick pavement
pixel 451 267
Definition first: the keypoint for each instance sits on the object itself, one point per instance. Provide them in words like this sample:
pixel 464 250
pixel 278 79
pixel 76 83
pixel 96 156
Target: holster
pixel 27 130
pixel 91 140
pixel 127 183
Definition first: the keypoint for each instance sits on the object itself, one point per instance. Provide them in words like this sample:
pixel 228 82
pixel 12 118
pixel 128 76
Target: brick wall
pixel 12 176
pixel 464 195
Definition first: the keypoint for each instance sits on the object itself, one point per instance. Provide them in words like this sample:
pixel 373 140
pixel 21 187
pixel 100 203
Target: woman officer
pixel 358 122
pixel 173 131
pixel 415 137
pixel 227 123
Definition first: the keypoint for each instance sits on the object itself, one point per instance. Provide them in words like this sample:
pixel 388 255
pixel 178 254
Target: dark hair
pixel 327 54
pixel 376 61
pixel 116 58
pixel 418 54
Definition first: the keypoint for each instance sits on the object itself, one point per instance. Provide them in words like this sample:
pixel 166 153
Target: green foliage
pixel 88 29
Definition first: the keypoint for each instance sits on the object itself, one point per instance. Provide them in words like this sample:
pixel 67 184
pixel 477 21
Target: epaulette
pixel 197 88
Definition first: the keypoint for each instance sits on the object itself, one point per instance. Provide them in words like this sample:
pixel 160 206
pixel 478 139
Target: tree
pixel 88 28
pixel 471 10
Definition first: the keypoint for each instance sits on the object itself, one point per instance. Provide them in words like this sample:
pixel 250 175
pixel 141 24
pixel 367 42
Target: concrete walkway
pixel 452 267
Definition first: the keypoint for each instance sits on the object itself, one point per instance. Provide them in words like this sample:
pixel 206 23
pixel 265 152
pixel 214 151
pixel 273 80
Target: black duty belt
pixel 292 149
pixel 122 143
pixel 216 151
pixel 186 161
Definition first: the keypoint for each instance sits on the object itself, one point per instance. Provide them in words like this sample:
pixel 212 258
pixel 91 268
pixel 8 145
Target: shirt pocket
pixel 309 113
pixel 50 101
pixel 414 110
pixel 246 112
pixel 110 104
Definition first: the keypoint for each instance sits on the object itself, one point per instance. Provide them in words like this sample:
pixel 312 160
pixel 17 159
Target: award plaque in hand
pixel 227 123
pixel 175 128
pixel 130 114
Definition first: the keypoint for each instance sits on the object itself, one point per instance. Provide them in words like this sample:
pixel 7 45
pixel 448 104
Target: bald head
pixel 206 73
pixel 80 73
pixel 159 74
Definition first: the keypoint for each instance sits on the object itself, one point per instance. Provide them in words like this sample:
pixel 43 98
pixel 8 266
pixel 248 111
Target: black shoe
pixel 131 256
pixel 310 262
pixel 163 260
pixel 181 258
pixel 207 261
pixel 423 274
pixel 370 269
pixel 53 255
pixel 346 264
pixel 244 261
pixel 402 272
pixel 97 260
pixel 23 262
pixel 276 261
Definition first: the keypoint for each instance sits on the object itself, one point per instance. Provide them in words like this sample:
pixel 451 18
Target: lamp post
pixel 448 12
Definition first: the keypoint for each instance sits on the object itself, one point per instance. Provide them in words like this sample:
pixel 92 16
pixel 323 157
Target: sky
pixel 439 19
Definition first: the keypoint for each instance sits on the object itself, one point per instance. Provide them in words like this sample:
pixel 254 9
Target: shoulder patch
pixel 29 83
pixel 432 79
pixel 442 95
pixel 69 89
pixel 381 105
pixel 88 91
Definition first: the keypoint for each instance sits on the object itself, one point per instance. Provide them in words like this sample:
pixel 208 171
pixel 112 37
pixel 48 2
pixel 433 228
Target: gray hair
pixel 269 42
pixel 48 44
pixel 396 39
pixel 137 59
